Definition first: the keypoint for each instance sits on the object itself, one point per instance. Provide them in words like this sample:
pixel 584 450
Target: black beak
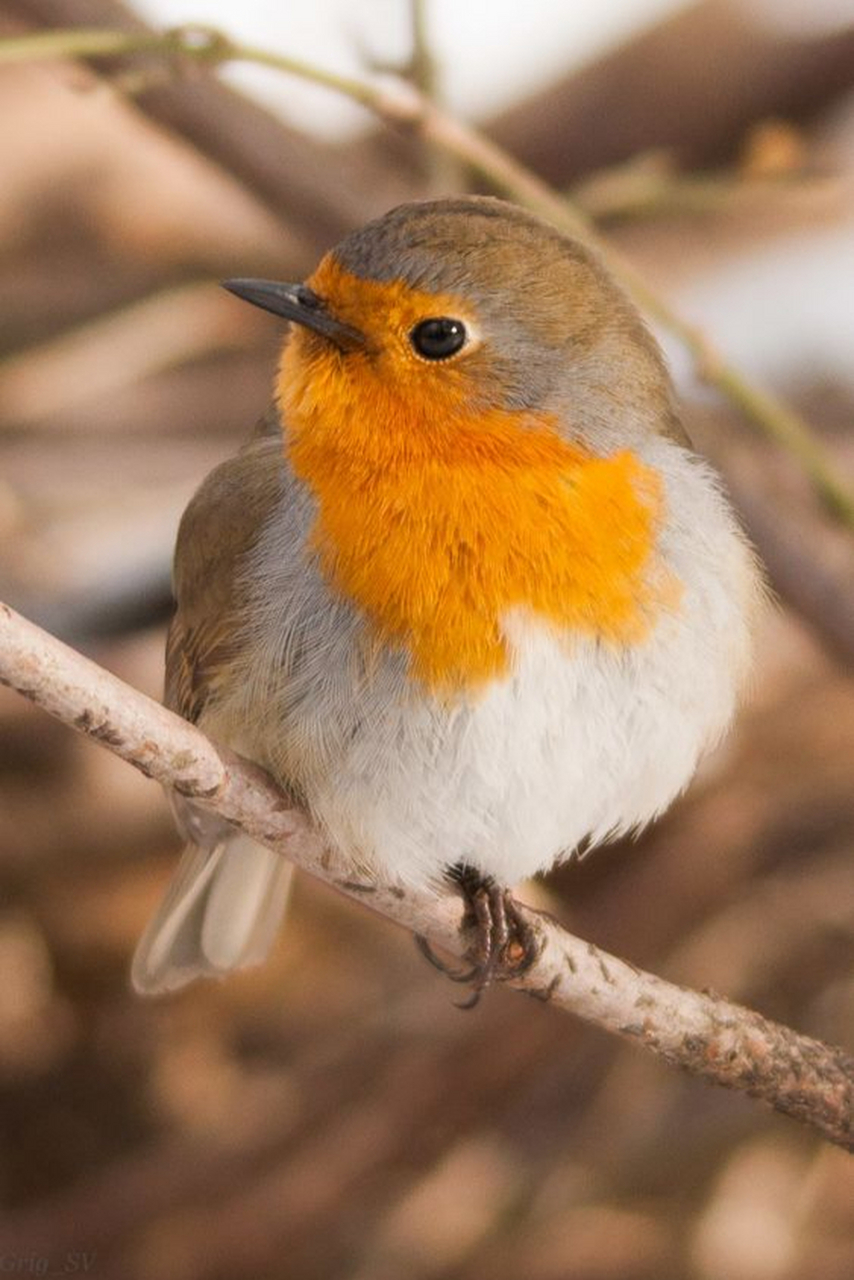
pixel 298 303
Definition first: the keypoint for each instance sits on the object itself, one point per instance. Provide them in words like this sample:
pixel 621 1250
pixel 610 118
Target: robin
pixel 467 594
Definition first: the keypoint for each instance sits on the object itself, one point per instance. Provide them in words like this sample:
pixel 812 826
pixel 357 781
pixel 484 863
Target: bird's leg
pixel 503 943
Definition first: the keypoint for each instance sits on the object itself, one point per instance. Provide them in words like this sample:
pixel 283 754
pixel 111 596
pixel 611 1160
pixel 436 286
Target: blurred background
pixel 332 1116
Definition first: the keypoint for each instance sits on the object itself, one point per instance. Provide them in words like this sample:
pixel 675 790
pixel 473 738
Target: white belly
pixel 578 744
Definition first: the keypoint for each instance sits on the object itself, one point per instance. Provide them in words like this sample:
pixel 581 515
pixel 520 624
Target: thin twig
pixel 197 43
pixel 446 173
pixel 704 1033
pixel 406 107
pixel 648 189
pixel 422 71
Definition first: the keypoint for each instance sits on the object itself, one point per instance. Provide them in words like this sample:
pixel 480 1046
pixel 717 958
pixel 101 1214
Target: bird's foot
pixel 503 944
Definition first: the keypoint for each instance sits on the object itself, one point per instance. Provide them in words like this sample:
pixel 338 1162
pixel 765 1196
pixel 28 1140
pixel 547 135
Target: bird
pixel 467 593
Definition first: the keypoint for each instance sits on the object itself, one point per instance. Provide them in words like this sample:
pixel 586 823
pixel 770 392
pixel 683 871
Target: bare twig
pixel 446 173
pixel 703 1033
pixel 649 185
pixel 406 107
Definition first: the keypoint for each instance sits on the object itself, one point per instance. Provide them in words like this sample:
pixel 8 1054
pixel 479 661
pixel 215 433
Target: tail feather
pixel 221 912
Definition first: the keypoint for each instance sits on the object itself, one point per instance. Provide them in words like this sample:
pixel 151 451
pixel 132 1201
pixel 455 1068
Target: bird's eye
pixel 438 338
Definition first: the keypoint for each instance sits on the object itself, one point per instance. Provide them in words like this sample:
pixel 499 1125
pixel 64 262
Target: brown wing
pixel 194 658
pixel 217 530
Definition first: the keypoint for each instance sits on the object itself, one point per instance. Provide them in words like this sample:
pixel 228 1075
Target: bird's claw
pixel 503 944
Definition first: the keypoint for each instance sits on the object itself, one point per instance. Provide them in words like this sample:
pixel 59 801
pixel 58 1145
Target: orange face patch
pixel 436 518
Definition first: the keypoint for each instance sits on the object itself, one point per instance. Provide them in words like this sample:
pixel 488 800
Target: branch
pixel 704 1033
pixel 405 107
pixel 649 186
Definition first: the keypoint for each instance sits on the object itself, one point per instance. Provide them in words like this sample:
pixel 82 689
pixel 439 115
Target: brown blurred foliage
pixel 332 1114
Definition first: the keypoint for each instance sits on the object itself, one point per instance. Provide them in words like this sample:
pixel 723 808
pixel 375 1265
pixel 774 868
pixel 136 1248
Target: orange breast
pixel 435 522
